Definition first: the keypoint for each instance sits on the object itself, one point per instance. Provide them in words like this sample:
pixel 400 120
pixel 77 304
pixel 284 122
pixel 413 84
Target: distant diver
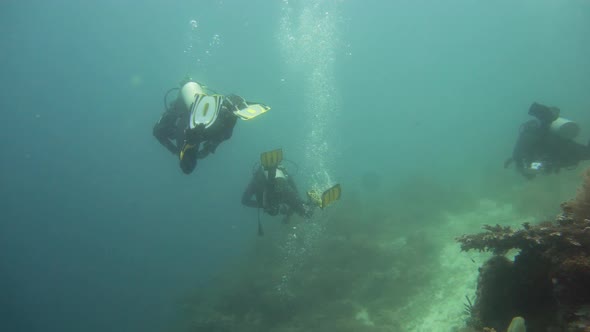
pixel 273 190
pixel 546 144
pixel 196 122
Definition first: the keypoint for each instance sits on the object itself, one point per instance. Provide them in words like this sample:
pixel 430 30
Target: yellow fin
pixel 251 111
pixel 331 195
pixel 271 158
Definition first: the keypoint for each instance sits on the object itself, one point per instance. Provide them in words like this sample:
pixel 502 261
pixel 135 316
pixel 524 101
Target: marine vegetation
pixel 357 270
pixel 548 283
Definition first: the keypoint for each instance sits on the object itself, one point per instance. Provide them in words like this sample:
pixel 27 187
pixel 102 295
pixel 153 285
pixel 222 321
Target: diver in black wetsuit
pixel 546 145
pixel 191 142
pixel 275 192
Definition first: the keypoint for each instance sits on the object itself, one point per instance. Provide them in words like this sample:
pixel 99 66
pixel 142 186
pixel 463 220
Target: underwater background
pixel 412 106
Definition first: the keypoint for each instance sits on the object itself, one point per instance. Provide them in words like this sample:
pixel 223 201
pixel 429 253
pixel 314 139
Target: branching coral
pixel 549 278
pixel 551 237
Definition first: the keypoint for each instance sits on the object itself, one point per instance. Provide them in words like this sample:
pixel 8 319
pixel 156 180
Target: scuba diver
pixel 273 190
pixel 546 145
pixel 195 123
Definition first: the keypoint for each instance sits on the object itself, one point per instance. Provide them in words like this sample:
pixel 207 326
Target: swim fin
pixel 271 159
pixel 251 111
pixel 331 195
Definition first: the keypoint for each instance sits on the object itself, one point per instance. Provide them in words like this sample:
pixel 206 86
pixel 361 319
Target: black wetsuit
pixel 275 195
pixel 536 143
pixel 191 144
pixel 169 130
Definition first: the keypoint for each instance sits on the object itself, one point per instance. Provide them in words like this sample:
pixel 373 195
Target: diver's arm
pixel 250 196
pixel 295 203
pixel 518 156
pixel 528 136
pixel 167 143
pixel 160 132
pixel 166 129
pixel 527 144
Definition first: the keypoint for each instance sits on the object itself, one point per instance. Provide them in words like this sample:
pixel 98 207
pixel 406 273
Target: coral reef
pixel 548 283
pixel 579 207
